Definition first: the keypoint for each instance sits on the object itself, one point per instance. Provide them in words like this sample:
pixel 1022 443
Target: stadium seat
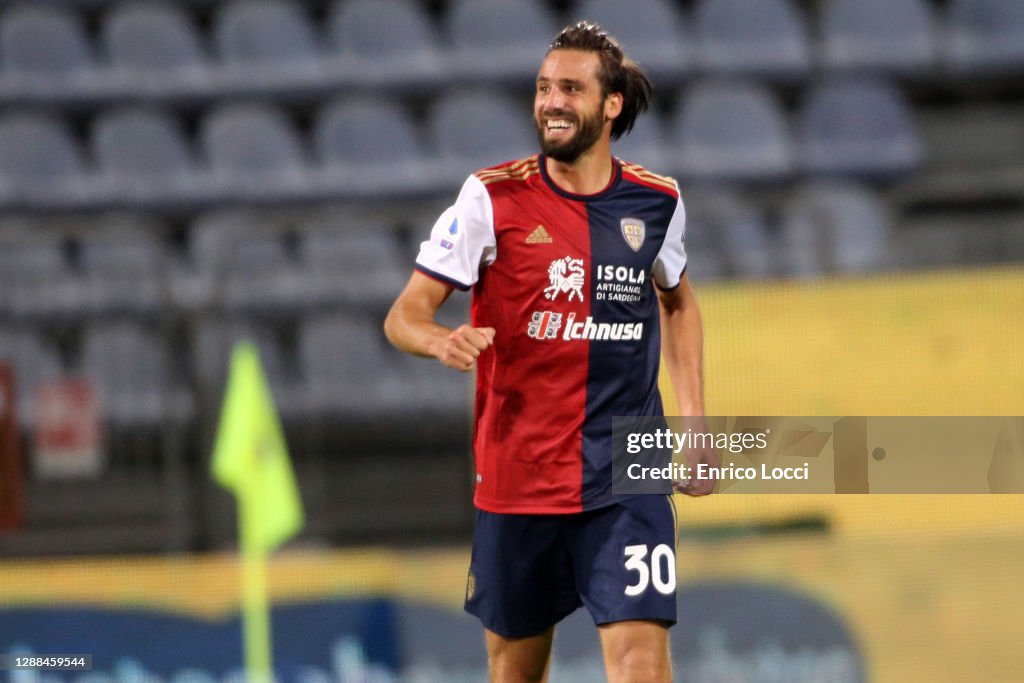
pixel 985 36
pixel 645 144
pixel 857 127
pixel 726 235
pixel 153 47
pixel 895 36
pixel 122 267
pixel 253 151
pixel 44 51
pixel 40 162
pixel 133 374
pixel 142 155
pixel 475 129
pixel 767 38
pixel 241 262
pixel 731 131
pixel 385 43
pixel 360 267
pixel 266 43
pixel 36 279
pixel 651 32
pixel 347 369
pixel 213 339
pixel 494 40
pixel 33 360
pixel 371 147
pixel 832 227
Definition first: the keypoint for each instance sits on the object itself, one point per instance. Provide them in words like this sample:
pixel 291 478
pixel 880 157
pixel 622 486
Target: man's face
pixel 569 105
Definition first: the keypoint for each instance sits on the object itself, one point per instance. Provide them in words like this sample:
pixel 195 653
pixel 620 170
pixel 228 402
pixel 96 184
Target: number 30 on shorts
pixel 659 570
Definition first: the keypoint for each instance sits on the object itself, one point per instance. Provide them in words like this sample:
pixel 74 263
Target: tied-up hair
pixel 618 73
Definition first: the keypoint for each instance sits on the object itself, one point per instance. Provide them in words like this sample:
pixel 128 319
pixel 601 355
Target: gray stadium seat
pixel 133 374
pixel 154 46
pixel 388 43
pixel 475 129
pixel 36 280
pixel 214 338
pixel 646 144
pixel 878 35
pixel 34 360
pixel 44 50
pixel 726 235
pixel 253 151
pixel 40 162
pixel 371 146
pixel 731 131
pixel 835 228
pixel 985 36
pixel 858 127
pixel 650 31
pixel 122 266
pixel 347 369
pixel 361 267
pixel 266 42
pixel 498 39
pixel 767 37
pixel 142 155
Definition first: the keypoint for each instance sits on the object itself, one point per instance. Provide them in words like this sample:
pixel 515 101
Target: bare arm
pixel 682 347
pixel 410 326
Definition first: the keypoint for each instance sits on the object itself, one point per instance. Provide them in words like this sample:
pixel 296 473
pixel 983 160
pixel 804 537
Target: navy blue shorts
pixel 528 572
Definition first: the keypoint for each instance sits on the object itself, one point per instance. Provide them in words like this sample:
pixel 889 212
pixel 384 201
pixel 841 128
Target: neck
pixel 589 174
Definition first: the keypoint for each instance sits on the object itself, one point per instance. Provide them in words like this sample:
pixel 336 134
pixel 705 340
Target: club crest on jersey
pixel 633 231
pixel 565 275
pixel 544 325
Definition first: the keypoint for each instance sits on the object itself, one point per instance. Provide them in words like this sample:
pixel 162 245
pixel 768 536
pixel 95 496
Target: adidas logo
pixel 539 236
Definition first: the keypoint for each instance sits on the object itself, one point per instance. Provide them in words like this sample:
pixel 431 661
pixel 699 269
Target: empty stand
pixel 650 31
pixel 44 50
pixel 41 163
pixel 732 131
pixel 385 42
pixel 155 48
pixel 474 129
pixel 857 127
pixel 767 37
pixel 897 36
pixel 985 36
pixel 498 39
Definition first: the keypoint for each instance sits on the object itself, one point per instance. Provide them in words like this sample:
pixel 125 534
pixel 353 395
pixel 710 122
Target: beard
pixel 588 131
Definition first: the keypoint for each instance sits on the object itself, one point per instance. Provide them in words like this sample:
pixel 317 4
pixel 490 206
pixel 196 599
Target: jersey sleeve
pixel 462 240
pixel 670 263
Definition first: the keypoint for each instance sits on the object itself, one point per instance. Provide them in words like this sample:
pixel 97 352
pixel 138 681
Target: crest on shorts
pixel 633 231
pixel 470 586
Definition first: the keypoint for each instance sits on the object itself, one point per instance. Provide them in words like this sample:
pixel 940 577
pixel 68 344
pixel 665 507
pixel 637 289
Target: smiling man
pixel 577 267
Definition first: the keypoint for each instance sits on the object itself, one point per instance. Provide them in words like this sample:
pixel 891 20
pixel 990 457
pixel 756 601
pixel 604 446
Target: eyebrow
pixel 561 81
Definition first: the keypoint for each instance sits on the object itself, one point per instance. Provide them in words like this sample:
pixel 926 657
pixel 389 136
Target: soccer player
pixel 577 267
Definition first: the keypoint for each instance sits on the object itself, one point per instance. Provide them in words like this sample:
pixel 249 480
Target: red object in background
pixel 12 478
pixel 67 433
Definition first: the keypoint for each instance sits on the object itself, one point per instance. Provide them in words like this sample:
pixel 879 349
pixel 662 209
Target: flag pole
pixel 255 605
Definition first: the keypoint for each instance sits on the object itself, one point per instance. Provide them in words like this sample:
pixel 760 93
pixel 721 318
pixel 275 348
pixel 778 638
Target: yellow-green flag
pixel 251 459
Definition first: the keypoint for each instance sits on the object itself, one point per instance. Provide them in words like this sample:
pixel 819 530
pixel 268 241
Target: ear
pixel 612 106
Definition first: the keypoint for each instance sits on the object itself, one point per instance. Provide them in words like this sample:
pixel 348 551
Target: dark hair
pixel 619 73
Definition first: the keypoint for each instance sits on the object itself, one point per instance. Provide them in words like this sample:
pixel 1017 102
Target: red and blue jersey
pixel 567 281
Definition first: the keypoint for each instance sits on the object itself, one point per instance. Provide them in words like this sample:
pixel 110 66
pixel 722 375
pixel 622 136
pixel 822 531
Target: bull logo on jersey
pixel 566 275
pixel 633 231
pixel 544 325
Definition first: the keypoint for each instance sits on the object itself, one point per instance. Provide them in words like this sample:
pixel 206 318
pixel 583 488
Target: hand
pixel 694 486
pixel 463 345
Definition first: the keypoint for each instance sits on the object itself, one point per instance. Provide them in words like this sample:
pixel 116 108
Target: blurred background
pixel 175 176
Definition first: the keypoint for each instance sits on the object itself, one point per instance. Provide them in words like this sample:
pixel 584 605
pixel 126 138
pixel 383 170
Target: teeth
pixel 559 124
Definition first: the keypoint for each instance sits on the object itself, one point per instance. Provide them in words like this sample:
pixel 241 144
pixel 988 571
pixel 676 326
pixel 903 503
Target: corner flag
pixel 250 458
